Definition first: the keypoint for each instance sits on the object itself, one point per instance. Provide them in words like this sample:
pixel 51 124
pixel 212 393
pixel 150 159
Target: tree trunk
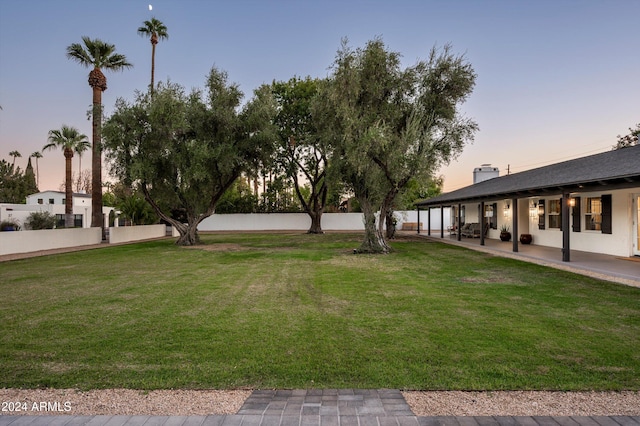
pixel 96 161
pixel 374 241
pixel 68 190
pixel 386 214
pixel 79 182
pixel 153 63
pixel 390 223
pixel 188 235
pixel 316 219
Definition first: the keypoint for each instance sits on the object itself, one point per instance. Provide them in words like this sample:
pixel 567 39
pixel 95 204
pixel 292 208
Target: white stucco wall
pixel 619 242
pixel 47 239
pixel 125 234
pixel 302 221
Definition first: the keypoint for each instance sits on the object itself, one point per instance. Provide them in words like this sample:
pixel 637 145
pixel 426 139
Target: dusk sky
pixel 557 79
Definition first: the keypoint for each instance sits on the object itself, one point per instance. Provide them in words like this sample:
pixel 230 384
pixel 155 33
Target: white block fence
pixel 302 221
pixel 125 234
pixel 30 241
pixel 47 239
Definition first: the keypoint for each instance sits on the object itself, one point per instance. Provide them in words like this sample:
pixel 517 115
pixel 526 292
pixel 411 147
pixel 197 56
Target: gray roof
pixel 611 169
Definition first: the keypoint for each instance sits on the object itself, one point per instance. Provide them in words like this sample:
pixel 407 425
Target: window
pixel 554 214
pixel 51 200
pixel 593 214
pixel 40 201
pixel 64 201
pixel 491 215
pixel 77 221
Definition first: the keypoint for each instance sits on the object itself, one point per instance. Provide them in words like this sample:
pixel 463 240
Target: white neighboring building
pixel 54 203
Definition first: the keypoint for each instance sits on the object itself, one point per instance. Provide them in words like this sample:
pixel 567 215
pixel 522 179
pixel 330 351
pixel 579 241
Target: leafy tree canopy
pixel 301 151
pixel 629 139
pixel 394 124
pixel 15 184
pixel 183 151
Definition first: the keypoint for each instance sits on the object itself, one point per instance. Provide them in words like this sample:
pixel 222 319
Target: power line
pixel 560 159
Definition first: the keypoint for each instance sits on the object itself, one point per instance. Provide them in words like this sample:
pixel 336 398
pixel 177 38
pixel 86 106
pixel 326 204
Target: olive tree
pixel 183 151
pixel 395 124
pixel 304 154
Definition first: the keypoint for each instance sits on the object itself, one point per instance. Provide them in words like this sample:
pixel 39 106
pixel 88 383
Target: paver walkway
pixel 321 407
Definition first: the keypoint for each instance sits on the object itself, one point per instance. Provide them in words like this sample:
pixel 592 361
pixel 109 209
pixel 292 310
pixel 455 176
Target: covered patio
pixel 591 203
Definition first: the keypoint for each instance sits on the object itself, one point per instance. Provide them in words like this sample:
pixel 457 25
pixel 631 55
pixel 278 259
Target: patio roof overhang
pixel 601 172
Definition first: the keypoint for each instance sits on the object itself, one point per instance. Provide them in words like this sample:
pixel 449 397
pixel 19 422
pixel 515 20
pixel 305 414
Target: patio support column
pixel 442 221
pixel 514 223
pixel 459 224
pixel 482 223
pixel 566 249
pixel 428 221
pixel 418 208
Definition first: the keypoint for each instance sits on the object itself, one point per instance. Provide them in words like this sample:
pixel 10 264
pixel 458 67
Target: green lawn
pixel 302 311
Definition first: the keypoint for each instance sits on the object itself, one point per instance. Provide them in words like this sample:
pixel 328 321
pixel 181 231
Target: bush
pixel 41 220
pixel 10 225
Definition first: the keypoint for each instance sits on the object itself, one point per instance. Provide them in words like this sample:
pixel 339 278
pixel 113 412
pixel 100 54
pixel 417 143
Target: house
pixel 590 204
pixel 54 203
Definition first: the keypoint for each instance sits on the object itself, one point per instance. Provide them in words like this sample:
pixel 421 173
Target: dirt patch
pixel 217 247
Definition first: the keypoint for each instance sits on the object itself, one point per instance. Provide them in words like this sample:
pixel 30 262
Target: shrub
pixel 41 220
pixel 10 225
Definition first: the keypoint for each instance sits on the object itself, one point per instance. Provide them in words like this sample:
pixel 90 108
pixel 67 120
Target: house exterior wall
pixel 618 243
pixel 81 206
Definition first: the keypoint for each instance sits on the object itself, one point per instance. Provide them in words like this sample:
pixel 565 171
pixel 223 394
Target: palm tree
pixel 155 30
pixel 37 155
pixel 14 154
pixel 79 149
pixel 97 54
pixel 67 138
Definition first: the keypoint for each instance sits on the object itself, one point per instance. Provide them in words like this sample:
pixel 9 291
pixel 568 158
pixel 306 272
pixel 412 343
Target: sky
pixel 556 79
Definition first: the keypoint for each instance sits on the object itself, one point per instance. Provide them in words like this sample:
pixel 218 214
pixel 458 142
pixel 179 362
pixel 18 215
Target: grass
pixel 301 311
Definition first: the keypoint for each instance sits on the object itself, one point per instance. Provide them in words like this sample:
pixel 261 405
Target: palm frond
pixel 98 54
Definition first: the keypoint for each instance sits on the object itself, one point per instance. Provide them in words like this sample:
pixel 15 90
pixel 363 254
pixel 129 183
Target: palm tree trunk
pixel 153 64
pixel 96 161
pixel 79 182
pixel 68 201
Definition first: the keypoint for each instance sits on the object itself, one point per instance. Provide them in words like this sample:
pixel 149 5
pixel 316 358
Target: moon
pixel 150 7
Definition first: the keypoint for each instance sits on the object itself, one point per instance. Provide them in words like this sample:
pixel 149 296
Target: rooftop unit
pixel 485 172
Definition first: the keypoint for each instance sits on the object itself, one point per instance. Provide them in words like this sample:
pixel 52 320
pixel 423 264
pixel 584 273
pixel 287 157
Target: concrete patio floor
pixel 610 268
